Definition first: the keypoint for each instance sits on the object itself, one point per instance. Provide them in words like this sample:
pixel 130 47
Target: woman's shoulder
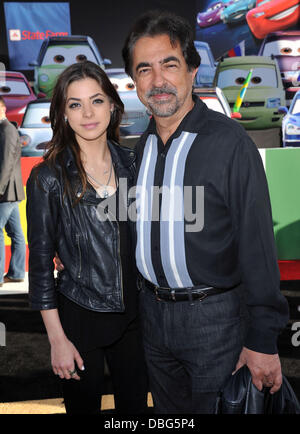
pixel 123 153
pixel 44 174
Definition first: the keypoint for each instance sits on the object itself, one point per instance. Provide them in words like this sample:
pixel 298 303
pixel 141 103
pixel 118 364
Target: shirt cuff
pixel 261 342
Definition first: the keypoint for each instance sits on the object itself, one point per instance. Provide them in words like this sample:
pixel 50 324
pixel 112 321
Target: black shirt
pixel 231 239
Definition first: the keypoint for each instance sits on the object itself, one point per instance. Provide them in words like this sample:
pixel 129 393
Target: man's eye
pixel 171 65
pixel 143 71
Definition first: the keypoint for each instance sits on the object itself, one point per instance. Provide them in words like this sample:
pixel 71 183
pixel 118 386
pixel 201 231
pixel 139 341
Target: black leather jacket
pixel 88 248
pixel 240 396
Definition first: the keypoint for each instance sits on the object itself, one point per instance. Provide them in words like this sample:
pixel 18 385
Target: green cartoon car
pixel 265 92
pixel 57 53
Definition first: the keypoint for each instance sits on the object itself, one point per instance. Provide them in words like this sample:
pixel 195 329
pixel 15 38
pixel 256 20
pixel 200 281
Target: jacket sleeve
pixel 42 216
pixel 252 219
pixel 8 154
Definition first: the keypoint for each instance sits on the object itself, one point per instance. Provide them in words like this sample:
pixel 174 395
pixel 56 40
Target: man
pixel 11 192
pixel 195 279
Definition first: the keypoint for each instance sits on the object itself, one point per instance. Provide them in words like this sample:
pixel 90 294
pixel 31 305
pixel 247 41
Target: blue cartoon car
pixel 291 123
pixel 136 117
pixel 35 130
pixel 207 68
pixel 236 11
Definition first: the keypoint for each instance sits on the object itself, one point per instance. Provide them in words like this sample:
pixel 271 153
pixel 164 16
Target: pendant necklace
pixel 104 192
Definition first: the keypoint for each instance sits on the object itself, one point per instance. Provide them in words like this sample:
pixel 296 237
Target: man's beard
pixel 163 109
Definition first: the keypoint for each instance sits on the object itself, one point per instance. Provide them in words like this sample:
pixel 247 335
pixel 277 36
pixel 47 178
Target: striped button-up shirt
pixel 210 171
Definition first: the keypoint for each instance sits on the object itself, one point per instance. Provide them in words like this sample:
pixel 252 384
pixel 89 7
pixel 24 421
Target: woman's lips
pixel 90 126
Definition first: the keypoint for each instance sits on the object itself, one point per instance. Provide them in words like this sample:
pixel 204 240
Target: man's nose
pixel 158 78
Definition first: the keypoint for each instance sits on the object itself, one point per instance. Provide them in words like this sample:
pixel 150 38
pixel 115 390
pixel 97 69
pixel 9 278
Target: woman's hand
pixel 63 358
pixel 63 352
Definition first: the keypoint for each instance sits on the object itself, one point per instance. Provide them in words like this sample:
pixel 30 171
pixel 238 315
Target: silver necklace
pixel 104 193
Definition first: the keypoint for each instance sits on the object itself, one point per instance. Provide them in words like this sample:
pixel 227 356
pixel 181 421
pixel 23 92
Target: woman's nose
pixel 87 110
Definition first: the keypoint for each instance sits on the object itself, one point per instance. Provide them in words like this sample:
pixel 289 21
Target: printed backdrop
pixel 28 25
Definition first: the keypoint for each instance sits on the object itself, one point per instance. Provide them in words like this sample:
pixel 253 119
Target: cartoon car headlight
pixel 292 129
pixel 273 102
pixel 25 140
pixel 259 14
pixel 44 78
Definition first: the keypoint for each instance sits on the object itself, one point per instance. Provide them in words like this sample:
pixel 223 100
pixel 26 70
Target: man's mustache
pixel 160 90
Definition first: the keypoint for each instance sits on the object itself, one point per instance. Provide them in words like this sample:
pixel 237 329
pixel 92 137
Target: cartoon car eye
pixel 58 58
pixel 5 89
pixel 45 120
pixel 286 50
pixel 256 80
pixel 263 77
pixel 130 86
pixel 283 47
pixel 240 80
pixel 81 58
pixel 232 77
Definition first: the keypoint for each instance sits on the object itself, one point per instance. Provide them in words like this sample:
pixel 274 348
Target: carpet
pixel 25 369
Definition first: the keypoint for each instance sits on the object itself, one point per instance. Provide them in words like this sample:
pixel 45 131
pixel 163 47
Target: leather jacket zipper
pixel 79 251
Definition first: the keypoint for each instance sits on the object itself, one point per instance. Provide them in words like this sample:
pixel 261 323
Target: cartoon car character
pixel 272 15
pixel 207 68
pixel 211 15
pixel 135 118
pixel 285 47
pixel 59 52
pixel 35 130
pixel 17 93
pixel 215 99
pixel 236 11
pixel 265 92
pixel 291 123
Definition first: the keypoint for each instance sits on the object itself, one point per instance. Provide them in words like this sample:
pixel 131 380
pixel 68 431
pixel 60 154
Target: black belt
pixel 184 294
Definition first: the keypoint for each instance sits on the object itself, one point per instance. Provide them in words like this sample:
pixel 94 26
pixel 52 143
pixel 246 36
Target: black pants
pixel 191 349
pixel 125 360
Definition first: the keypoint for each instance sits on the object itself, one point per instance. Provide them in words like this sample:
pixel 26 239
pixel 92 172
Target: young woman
pixel 90 310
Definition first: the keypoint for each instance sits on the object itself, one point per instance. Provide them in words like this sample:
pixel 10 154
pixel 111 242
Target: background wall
pixel 107 22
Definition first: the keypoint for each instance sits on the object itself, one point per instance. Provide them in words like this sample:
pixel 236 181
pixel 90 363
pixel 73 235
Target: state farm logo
pixel 15 35
pixel 18 35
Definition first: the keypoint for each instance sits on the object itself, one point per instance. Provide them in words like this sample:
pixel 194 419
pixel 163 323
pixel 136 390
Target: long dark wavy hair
pixel 63 135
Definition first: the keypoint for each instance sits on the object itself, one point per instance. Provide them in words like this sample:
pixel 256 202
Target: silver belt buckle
pixel 156 293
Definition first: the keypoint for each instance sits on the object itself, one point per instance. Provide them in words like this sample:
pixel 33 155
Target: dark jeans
pixel 125 359
pixel 191 349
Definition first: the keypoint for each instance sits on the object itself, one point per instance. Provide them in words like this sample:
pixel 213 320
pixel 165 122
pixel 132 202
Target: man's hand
pixel 265 369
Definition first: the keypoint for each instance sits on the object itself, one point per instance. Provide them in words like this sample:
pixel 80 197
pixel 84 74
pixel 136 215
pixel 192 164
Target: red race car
pixel 273 15
pixel 17 93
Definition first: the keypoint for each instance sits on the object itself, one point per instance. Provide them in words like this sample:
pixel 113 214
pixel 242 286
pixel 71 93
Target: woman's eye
pixel 74 105
pixel 98 101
